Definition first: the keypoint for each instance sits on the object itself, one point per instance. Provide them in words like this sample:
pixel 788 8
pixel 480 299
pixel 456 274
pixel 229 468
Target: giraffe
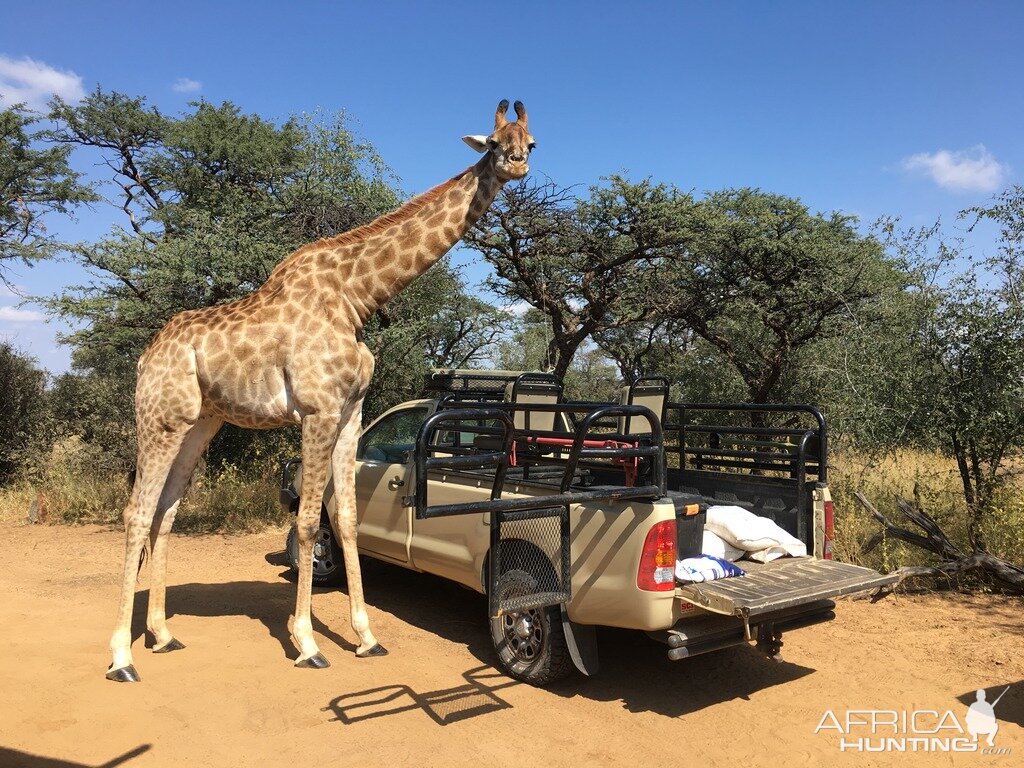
pixel 291 353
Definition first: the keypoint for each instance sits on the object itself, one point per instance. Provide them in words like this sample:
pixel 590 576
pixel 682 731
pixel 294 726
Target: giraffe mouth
pixel 514 170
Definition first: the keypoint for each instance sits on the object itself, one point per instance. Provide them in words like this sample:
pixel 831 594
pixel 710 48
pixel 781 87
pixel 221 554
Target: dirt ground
pixel 232 697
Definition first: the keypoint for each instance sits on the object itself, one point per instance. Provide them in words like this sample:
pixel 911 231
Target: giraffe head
pixel 510 144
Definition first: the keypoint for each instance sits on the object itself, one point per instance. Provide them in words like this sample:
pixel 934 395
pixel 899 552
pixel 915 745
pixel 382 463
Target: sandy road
pixel 232 698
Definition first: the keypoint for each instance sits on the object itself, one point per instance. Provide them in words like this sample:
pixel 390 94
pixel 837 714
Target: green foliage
pixel 97 407
pixel 25 427
pixel 232 500
pixel 214 200
pixel 35 181
pixel 761 278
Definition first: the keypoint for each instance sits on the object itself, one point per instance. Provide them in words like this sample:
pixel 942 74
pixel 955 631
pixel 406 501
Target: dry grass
pixel 932 483
pixel 72 490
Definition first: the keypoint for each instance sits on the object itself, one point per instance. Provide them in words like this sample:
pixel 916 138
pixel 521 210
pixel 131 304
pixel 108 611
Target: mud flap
pixel 582 642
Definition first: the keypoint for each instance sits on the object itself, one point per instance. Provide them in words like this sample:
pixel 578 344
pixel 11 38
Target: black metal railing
pixel 796 451
pixel 571 452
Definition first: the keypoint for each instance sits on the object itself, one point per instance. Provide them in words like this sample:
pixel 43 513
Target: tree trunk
pixel 955 563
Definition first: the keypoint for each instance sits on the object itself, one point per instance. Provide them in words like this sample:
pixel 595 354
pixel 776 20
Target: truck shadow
pixel 634 669
pixel 448 705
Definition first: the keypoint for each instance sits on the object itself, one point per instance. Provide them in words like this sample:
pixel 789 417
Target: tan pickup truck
pixel 571 516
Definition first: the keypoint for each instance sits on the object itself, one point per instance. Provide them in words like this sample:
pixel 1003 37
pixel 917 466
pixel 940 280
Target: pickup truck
pixel 570 516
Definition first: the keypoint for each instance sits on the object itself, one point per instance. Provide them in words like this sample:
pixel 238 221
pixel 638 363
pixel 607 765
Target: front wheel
pixel 531 643
pixel 328 561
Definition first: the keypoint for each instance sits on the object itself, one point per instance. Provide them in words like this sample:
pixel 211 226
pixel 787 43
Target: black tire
pixel 328 560
pixel 530 644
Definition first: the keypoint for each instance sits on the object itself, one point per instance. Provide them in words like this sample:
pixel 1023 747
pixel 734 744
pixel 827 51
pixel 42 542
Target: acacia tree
pixel 582 263
pixel 953 366
pixel 35 181
pixel 973 345
pixel 761 279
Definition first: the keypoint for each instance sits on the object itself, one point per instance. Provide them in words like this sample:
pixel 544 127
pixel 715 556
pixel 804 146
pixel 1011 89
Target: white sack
pixel 716 546
pixel 759 537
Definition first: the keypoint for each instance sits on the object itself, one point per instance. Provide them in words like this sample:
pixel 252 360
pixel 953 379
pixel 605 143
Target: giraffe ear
pixel 479 143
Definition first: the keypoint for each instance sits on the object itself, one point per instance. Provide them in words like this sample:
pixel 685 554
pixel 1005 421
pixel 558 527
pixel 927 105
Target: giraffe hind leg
pixel 157 453
pixel 184 465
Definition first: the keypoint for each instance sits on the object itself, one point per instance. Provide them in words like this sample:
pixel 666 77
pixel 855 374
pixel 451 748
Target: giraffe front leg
pixel 318 437
pixel 345 524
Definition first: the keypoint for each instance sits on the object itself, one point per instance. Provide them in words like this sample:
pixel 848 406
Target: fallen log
pixel 956 562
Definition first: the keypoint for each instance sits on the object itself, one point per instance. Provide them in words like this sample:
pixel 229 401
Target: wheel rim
pixel 323 553
pixel 524 634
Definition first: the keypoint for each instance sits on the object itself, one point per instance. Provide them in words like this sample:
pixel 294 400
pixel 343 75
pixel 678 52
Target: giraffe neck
pixel 377 261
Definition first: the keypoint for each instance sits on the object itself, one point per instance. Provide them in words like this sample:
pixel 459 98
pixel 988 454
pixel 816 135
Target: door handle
pixel 395 483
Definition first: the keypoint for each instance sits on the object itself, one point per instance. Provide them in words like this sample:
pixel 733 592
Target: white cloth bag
pixel 759 537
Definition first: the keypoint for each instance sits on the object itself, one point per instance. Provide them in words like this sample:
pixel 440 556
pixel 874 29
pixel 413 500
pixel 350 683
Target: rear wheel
pixel 531 643
pixel 328 561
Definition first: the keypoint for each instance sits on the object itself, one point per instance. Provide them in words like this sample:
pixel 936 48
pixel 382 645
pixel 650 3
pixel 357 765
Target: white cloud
pixel 33 83
pixel 518 309
pixel 186 85
pixel 974 169
pixel 15 315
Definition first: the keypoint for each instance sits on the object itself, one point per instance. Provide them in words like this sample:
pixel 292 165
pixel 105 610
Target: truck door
pixel 383 476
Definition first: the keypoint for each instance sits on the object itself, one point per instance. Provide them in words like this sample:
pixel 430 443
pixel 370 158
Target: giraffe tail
pixel 143 555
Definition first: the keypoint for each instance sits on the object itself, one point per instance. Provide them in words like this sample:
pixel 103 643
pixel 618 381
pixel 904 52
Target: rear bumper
pixel 709 632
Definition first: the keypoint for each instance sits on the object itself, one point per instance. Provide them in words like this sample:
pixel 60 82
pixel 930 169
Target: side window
pixel 392 439
pixel 465 435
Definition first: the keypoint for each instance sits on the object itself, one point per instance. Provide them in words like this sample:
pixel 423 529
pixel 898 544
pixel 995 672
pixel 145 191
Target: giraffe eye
pixel 531 146
pixel 492 144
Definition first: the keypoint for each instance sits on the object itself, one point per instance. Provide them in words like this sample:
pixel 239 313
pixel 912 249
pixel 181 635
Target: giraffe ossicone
pixel 291 353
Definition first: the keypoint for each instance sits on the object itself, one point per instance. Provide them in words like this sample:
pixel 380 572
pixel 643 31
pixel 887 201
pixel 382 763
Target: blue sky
pixel 911 109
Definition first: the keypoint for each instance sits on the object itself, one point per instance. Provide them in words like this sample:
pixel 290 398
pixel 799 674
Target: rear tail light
pixel 830 525
pixel 657 572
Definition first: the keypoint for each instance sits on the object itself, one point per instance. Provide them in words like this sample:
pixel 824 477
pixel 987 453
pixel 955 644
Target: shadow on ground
pixel 634 669
pixel 17 759
pixel 445 706
pixel 1009 708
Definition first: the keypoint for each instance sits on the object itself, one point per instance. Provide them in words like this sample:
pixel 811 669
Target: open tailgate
pixel 768 588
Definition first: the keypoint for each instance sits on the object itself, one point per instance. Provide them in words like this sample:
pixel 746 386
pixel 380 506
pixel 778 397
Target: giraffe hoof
pixel 316 661
pixel 170 645
pixel 124 675
pixel 377 650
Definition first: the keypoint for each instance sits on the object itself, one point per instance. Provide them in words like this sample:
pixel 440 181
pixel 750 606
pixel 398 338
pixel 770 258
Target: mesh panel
pixel 530 561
